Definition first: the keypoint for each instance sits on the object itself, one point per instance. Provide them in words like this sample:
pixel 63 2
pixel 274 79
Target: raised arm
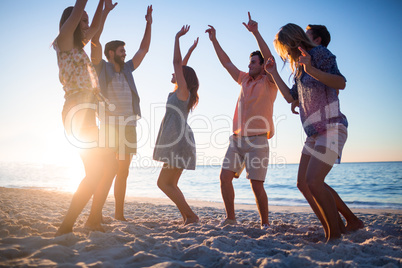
pixel 252 26
pixel 65 39
pixel 95 24
pixel 96 47
pixel 146 40
pixel 330 80
pixel 222 56
pixel 182 90
pixel 190 50
pixel 270 67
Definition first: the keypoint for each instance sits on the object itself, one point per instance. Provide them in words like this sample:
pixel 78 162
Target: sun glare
pixel 59 152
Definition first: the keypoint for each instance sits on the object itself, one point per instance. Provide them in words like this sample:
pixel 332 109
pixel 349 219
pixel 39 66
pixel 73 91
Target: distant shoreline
pixel 373 185
pixel 213 204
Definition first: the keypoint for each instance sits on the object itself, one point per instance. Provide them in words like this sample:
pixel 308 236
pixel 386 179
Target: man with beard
pixel 117 85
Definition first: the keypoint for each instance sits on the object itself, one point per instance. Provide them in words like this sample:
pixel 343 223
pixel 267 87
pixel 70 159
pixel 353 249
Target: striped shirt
pixel 119 94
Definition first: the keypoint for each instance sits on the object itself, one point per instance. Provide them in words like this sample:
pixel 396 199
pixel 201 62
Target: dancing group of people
pixel 88 82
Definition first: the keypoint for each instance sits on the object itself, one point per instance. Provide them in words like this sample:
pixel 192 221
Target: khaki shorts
pixel 334 139
pixel 122 139
pixel 251 153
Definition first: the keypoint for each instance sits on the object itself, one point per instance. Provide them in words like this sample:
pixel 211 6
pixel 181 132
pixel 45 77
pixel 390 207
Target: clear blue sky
pixel 366 37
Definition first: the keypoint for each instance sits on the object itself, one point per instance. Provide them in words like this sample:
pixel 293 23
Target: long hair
pixel 192 84
pixel 78 35
pixel 287 41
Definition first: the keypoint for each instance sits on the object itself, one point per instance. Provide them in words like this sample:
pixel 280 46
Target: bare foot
pixel 228 222
pixel 63 230
pixel 355 225
pixel 265 226
pixel 334 237
pixel 191 220
pixel 333 240
pixel 120 218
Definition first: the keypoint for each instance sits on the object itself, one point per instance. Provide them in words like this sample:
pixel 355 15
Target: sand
pixel 154 237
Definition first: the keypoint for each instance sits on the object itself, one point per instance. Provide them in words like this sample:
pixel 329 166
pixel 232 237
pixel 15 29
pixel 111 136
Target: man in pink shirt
pixel 252 126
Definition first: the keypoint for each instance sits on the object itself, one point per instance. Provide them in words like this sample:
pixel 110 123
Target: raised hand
pixel 252 25
pixel 195 44
pixel 190 50
pixel 148 16
pixel 211 32
pixel 270 65
pixel 109 5
pixel 183 31
pixel 305 59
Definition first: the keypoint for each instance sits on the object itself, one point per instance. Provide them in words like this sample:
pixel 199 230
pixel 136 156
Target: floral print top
pixel 319 104
pixel 76 72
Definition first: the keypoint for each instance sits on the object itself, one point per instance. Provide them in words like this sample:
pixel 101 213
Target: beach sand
pixel 154 236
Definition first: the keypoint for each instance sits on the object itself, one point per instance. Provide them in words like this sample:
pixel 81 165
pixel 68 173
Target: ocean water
pixel 360 185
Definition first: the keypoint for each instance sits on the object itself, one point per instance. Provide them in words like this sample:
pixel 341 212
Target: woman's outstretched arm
pixel 96 22
pixel 190 50
pixel 65 39
pixel 182 90
pixel 270 67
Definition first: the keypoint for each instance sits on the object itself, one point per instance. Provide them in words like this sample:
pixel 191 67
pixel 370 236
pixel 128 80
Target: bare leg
pixel 228 193
pixel 167 182
pixel 93 174
pixel 303 187
pixel 353 223
pixel 261 199
pixel 120 186
pixel 109 171
pixel 315 175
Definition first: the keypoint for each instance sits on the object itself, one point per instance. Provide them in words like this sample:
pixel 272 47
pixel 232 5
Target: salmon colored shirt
pixel 254 109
